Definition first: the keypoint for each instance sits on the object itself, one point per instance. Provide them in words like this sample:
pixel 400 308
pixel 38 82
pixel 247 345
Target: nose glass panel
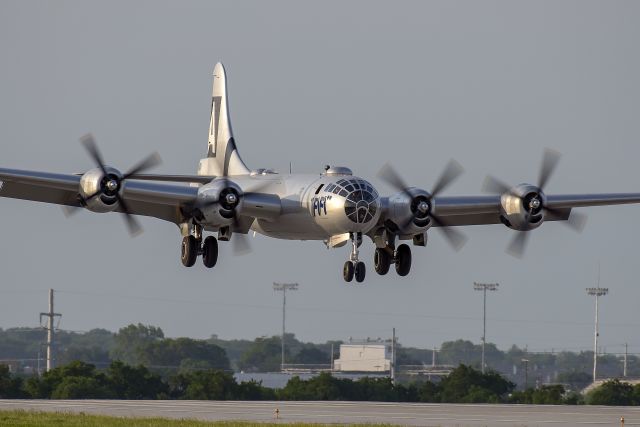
pixel 361 199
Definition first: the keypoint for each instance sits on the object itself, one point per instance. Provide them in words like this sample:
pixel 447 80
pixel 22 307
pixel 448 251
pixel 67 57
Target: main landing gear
pixel 354 267
pixel 401 257
pixel 192 246
pixel 382 259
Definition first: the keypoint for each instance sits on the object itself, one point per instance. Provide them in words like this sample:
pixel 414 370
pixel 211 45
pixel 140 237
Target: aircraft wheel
pixel 210 252
pixel 348 271
pixel 403 260
pixel 190 246
pixel 381 261
pixel 360 271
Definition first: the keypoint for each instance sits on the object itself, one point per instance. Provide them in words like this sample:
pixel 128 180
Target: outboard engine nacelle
pixel 99 191
pixel 522 208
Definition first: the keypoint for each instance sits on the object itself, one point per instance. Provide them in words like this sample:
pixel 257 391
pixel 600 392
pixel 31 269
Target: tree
pixel 465 384
pixel 72 381
pixel 185 353
pixel 128 341
pixel 10 386
pixel 204 385
pixel 129 382
pixel 264 355
pixel 311 355
pixel 613 392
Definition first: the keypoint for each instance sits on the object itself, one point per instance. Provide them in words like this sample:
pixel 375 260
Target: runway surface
pixel 346 412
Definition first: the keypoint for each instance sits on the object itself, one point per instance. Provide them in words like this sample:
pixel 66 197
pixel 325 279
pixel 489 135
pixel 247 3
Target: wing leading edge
pixel 158 200
pixel 480 210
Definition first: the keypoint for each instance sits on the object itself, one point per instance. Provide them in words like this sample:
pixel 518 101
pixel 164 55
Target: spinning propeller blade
pixel 451 172
pixel 89 143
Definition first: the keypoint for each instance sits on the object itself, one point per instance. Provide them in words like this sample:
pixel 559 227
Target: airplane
pixel 228 199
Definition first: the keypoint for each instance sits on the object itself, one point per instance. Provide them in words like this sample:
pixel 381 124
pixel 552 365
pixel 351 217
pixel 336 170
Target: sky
pixel 489 83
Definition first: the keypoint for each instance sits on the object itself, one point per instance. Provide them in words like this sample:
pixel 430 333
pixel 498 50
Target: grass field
pixel 51 419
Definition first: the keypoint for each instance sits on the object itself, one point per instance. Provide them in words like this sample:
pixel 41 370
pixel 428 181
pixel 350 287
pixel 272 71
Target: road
pixel 443 415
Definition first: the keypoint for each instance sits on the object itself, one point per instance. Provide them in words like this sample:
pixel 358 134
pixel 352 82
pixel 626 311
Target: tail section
pixel 222 158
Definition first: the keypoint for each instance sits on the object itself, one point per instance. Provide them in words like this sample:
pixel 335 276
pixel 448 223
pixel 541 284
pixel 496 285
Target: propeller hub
pixel 111 185
pixel 423 207
pixel 231 198
pixel 535 203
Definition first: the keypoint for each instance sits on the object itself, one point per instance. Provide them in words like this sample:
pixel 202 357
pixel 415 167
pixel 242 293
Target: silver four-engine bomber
pixel 227 200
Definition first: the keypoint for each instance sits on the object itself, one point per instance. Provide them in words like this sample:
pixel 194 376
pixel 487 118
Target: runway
pixel 346 412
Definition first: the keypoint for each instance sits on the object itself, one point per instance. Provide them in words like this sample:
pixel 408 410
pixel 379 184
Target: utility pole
pixel 597 292
pixel 484 287
pixel 433 358
pixel 331 357
pixel 626 353
pixel 393 357
pixel 284 287
pixel 50 332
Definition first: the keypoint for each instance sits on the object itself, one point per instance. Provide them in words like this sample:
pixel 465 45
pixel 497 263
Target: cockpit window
pixel 319 188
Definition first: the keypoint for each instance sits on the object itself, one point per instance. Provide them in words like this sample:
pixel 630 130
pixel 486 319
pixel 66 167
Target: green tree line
pixel 147 345
pixel 80 380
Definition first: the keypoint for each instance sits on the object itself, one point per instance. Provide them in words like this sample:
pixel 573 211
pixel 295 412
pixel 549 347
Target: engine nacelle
pixel 98 190
pixel 218 202
pixel 522 208
pixel 410 211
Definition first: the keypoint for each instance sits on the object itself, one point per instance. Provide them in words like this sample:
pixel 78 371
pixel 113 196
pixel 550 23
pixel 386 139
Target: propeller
pixel 230 200
pixel 451 172
pixel 113 185
pixel 550 160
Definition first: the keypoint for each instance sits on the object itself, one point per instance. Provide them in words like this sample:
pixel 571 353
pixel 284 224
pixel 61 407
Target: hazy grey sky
pixel 347 83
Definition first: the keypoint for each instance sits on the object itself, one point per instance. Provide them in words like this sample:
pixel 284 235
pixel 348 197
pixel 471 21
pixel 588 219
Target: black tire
pixel 403 260
pixel 347 271
pixel 210 252
pixel 189 251
pixel 360 271
pixel 381 261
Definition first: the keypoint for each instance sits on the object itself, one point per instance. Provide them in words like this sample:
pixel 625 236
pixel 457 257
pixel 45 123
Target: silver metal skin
pixel 332 205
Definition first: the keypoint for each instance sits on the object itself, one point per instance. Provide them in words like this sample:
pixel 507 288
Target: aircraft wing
pixel 479 210
pixel 158 200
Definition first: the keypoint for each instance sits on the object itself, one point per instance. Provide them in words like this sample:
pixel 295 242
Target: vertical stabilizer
pixel 222 158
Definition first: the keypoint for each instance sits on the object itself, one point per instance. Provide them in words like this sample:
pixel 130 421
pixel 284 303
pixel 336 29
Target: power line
pixel 335 310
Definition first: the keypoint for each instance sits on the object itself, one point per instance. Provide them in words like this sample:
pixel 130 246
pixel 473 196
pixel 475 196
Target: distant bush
pixel 614 393
pixel 79 380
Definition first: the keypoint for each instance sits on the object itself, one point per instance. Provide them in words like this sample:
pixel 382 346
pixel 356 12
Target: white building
pixel 364 357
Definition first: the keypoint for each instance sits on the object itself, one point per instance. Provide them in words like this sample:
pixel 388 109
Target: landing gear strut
pixel 354 267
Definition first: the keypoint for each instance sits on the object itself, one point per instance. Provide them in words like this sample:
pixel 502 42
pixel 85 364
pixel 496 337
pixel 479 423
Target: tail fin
pixel 222 158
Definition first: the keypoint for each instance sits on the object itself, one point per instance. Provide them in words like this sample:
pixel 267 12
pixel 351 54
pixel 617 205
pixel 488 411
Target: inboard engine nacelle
pixel 219 201
pixel 410 210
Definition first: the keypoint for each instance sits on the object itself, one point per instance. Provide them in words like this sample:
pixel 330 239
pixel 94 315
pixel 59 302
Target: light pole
pixel 526 372
pixel 596 292
pixel 284 287
pixel 484 287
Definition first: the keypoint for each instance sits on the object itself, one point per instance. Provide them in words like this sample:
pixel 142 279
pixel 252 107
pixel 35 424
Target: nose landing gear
pixel 354 267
